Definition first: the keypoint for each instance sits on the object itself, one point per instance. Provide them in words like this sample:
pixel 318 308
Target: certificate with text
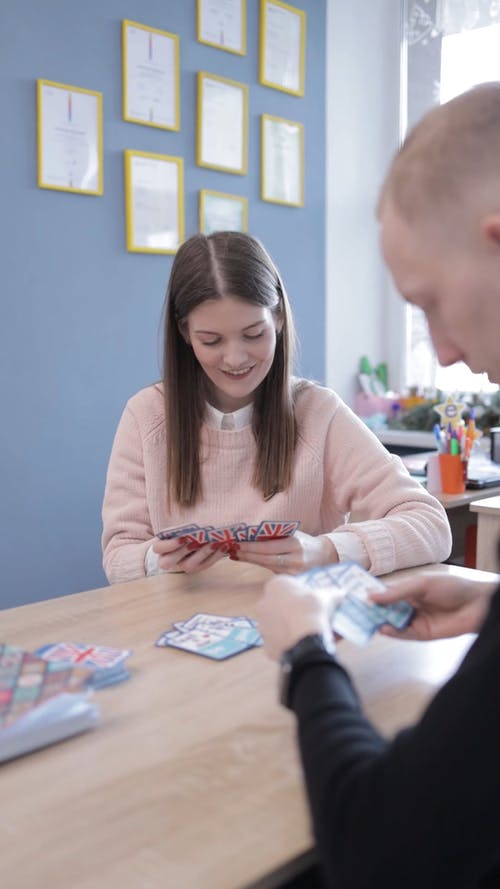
pixel 282 47
pixel 222 124
pixel 222 212
pixel 222 24
pixel 282 144
pixel 150 76
pixel 154 202
pixel 69 138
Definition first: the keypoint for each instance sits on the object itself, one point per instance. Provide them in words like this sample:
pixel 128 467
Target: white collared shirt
pixel 235 420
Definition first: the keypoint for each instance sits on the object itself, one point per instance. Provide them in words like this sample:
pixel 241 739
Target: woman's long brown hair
pixel 211 267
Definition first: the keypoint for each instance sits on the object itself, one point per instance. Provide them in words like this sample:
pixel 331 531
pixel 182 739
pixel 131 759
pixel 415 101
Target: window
pixel 449 46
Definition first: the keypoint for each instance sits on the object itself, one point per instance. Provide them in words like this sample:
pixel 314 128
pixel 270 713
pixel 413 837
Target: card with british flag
pixel 107 664
pixel 173 533
pixel 197 535
pixel 272 530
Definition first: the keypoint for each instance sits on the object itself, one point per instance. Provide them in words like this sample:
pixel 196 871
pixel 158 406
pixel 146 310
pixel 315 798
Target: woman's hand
pixel 444 605
pixel 176 555
pixel 288 555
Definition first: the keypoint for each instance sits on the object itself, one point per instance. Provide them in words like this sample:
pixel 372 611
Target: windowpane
pixel 451 46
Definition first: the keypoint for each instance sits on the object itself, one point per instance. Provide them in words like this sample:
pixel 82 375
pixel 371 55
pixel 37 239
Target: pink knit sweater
pixel 343 480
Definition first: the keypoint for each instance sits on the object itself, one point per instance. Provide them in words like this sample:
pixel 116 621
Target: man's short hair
pixel 450 156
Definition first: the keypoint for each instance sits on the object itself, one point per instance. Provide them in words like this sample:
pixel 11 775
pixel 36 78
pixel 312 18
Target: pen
pixel 437 436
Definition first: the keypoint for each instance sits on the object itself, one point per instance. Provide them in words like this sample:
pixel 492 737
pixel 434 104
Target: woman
pixel 229 436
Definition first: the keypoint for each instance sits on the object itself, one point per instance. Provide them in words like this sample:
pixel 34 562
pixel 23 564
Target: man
pixel 424 810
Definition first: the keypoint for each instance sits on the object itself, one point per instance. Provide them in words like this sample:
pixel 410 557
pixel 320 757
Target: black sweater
pixel 420 812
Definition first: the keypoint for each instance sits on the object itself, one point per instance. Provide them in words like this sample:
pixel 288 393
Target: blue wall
pixel 79 318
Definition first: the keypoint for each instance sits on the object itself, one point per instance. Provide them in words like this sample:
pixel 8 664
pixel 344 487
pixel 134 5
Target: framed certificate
pixel 222 139
pixel 282 47
pixel 69 138
pixel 154 202
pixel 222 212
pixel 222 23
pixel 282 144
pixel 150 70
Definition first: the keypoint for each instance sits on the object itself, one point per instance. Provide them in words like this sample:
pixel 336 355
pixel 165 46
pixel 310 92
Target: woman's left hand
pixel 288 555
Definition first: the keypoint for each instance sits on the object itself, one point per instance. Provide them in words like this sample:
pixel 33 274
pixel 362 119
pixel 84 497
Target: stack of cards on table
pixel 106 665
pixel 229 534
pixel 40 702
pixel 212 635
pixel 356 618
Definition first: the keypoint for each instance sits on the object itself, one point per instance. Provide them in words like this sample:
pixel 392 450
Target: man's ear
pixel 491 227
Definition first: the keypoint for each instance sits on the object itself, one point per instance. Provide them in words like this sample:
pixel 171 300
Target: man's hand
pixel 444 605
pixel 288 611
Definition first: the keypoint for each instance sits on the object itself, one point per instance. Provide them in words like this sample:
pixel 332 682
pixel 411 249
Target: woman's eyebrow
pixel 248 327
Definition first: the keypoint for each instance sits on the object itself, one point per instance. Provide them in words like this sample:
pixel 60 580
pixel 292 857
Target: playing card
pixel 226 534
pixel 213 621
pixel 356 618
pixel 107 664
pixel 252 531
pixel 272 530
pixel 198 536
pixel 93 656
pixel 172 533
pixel 211 635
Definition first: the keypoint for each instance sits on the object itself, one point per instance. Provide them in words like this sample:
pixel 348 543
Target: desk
pixel 459 510
pixel 192 780
pixel 488 533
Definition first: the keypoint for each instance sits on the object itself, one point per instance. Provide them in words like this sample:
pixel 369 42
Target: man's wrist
pixel 315 648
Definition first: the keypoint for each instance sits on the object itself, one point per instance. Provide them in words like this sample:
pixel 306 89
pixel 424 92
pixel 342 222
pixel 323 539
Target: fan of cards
pixel 228 535
pixel 356 618
pixel 212 635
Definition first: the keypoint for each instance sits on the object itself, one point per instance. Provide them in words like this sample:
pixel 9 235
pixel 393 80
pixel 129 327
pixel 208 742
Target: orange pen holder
pixel 453 473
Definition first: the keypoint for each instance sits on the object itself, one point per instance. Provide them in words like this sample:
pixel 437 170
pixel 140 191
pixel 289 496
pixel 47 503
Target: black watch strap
pixel 312 649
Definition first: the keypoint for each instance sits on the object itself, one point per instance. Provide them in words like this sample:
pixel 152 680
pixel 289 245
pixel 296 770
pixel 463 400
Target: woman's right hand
pixel 176 555
pixel 444 605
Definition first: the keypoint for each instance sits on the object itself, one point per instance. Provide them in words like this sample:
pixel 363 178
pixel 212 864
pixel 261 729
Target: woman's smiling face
pixel 234 343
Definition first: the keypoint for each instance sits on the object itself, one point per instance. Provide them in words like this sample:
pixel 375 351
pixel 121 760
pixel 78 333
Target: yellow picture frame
pixel 151 226
pixel 272 72
pixel 218 136
pixel 69 138
pixel 152 101
pixel 220 44
pixel 282 161
pixel 210 197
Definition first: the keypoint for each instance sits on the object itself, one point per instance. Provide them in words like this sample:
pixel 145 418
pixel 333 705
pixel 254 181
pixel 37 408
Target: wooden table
pixel 488 533
pixel 192 780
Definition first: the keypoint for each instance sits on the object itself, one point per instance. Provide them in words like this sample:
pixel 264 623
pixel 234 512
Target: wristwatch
pixel 312 649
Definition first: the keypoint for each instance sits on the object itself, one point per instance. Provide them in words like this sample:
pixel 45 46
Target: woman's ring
pixel 280 558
